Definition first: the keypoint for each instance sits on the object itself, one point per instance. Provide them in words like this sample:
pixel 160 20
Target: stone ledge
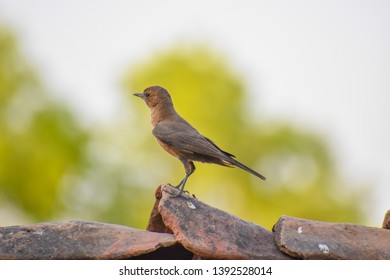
pixel 186 228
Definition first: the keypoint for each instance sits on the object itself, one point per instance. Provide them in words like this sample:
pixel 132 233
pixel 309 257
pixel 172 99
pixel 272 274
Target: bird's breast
pixel 170 149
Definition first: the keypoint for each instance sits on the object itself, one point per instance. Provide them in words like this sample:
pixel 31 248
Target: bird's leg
pixel 179 185
pixel 189 168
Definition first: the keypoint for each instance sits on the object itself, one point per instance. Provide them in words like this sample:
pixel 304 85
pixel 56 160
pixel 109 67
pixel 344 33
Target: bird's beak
pixel 139 95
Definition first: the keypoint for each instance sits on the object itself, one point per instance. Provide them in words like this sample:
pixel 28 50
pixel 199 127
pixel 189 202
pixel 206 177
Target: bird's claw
pixel 178 187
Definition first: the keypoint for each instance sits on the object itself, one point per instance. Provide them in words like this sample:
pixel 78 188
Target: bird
pixel 180 139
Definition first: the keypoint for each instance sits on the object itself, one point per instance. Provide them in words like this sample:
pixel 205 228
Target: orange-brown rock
pixel 386 220
pixel 213 234
pixel 182 227
pixel 156 223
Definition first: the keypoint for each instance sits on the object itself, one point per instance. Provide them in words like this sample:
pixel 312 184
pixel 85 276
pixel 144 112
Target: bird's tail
pixel 246 168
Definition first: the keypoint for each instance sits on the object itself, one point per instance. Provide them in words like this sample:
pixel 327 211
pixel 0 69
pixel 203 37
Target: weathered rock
pixel 320 240
pixel 213 234
pixel 199 232
pixel 386 220
pixel 156 223
pixel 79 240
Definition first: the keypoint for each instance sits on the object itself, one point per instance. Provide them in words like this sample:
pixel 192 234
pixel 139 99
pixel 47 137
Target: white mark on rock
pixel 300 230
pixel 323 248
pixel 39 232
pixel 191 205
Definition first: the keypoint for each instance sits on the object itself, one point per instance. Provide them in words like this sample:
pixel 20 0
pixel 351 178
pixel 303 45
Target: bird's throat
pixel 157 115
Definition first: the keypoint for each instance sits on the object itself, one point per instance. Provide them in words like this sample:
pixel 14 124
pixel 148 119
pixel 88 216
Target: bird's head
pixel 155 95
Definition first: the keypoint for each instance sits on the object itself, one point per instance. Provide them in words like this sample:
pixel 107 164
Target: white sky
pixel 321 64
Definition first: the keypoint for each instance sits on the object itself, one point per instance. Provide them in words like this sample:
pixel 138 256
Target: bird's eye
pixel 147 94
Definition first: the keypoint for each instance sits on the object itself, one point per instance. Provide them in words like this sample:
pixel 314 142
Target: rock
pixel 79 240
pixel 156 223
pixel 213 234
pixel 182 227
pixel 308 239
pixel 386 220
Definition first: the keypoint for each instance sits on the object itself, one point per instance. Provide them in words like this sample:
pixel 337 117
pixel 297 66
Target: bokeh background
pixel 298 90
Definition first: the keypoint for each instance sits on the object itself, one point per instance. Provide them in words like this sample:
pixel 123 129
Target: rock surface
pixel 156 224
pixel 386 220
pixel 308 239
pixel 213 234
pixel 79 240
pixel 186 228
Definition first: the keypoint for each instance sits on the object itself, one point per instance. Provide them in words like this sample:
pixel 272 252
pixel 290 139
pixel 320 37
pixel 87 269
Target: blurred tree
pixel 301 178
pixel 50 167
pixel 40 140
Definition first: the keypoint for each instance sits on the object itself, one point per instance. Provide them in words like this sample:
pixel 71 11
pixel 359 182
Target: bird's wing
pixel 186 138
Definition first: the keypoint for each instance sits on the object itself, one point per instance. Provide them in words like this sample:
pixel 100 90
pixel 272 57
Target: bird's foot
pixel 179 187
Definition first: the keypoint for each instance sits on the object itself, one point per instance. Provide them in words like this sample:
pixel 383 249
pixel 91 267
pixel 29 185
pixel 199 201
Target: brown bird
pixel 180 139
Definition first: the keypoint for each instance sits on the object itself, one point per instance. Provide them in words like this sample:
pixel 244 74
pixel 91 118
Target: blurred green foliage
pixel 40 140
pixel 301 176
pixel 53 168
